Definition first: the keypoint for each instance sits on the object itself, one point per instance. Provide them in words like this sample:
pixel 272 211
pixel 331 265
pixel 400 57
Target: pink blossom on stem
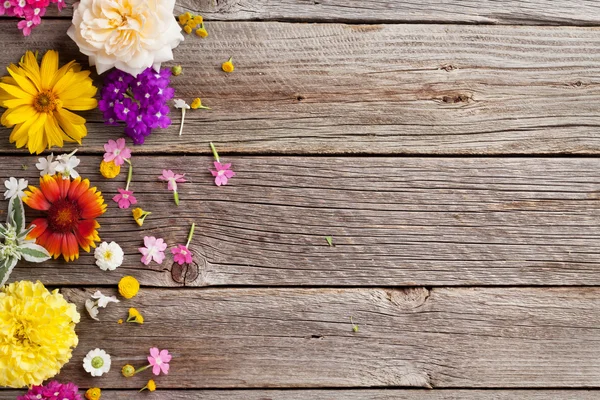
pixel 125 198
pixel 222 174
pixel 154 250
pixel 159 360
pixel 172 178
pixel 116 151
pixel 181 254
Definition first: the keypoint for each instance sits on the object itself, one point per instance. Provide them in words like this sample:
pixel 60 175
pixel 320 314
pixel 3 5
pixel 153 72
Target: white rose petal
pixel 97 362
pixel 109 256
pixel 130 35
pixel 92 308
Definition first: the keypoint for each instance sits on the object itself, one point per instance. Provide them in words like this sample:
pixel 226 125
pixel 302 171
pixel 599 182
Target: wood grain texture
pixel 380 89
pixel 394 221
pixel 362 394
pixel 297 338
pixel 526 12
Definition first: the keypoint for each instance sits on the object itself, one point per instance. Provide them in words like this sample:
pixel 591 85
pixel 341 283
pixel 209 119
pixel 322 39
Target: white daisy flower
pixel 67 164
pixel 97 362
pixel 15 188
pixel 47 166
pixel 108 256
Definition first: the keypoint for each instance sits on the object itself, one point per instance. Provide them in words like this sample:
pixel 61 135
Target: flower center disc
pixel 45 101
pixel 97 362
pixel 63 216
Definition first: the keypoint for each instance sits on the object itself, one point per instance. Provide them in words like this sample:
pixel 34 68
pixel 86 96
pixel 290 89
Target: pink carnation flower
pixel 125 198
pixel 222 174
pixel 154 250
pixel 116 151
pixel 159 360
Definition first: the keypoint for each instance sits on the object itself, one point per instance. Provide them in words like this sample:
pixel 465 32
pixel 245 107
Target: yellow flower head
pixel 93 394
pixel 139 215
pixel 120 321
pixel 227 66
pixel 37 333
pixel 109 169
pixel 202 32
pixel 151 386
pixel 128 287
pixel 197 103
pixel 184 18
pixel 128 371
pixel 135 316
pixel 38 100
pixel 187 29
pixel 191 23
pixel 198 19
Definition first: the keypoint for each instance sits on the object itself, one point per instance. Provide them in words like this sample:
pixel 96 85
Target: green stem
pixel 191 234
pixel 214 151
pixel 129 174
pixel 176 198
pixel 142 369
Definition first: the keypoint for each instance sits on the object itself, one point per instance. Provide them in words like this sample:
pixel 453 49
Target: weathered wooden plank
pixel 394 221
pixel 441 338
pixel 363 394
pixel 383 89
pixel 526 12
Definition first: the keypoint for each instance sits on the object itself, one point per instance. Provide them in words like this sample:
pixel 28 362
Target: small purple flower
pixel 52 390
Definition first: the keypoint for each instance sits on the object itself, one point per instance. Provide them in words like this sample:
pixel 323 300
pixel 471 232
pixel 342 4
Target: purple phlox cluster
pixel 31 11
pixel 52 390
pixel 139 102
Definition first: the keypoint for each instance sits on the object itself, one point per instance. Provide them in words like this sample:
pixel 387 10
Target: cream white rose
pixel 130 35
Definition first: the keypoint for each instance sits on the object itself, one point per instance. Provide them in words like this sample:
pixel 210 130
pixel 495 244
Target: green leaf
pixel 16 214
pixel 6 267
pixel 329 240
pixel 34 252
pixel 2 231
pixel 21 236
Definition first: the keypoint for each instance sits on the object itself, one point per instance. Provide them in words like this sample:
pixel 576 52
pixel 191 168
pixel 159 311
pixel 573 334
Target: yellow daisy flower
pixel 38 99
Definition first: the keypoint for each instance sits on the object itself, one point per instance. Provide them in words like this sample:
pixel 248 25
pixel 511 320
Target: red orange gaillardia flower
pixel 71 209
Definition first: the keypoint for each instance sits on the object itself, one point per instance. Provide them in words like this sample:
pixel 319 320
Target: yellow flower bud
pixel 151 386
pixel 139 215
pixel 184 18
pixel 128 371
pixel 201 32
pixel 176 70
pixel 187 29
pixel 128 287
pixel 197 103
pixel 198 19
pixel 109 169
pixel 227 66
pixel 93 394
pixel 135 316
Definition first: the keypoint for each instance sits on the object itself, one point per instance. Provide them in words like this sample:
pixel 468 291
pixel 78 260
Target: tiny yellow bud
pixel 128 371
pixel 198 19
pixel 135 316
pixel 93 394
pixel 202 32
pixel 187 29
pixel 128 287
pixel 197 103
pixel 176 70
pixel 151 386
pixel 139 215
pixel 184 18
pixel 227 66
pixel 109 169
pixel 120 321
pixel 191 23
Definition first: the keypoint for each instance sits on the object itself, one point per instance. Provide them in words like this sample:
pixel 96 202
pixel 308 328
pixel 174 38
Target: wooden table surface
pixel 450 148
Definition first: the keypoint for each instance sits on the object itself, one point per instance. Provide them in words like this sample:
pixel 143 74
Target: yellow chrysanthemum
pixel 109 169
pixel 129 287
pixel 37 333
pixel 38 100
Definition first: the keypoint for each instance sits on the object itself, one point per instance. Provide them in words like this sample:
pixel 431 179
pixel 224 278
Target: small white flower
pixel 103 300
pixel 47 166
pixel 97 362
pixel 67 164
pixel 92 308
pixel 180 103
pixel 15 188
pixel 108 256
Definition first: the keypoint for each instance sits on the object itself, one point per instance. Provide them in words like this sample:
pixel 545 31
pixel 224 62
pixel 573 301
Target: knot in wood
pixel 458 98
pixel 185 273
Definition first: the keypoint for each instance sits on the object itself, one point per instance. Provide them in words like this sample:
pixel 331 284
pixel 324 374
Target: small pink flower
pixel 159 360
pixel 19 8
pixel 172 178
pixel 6 8
pixel 35 14
pixel 116 151
pixel 124 198
pixel 26 26
pixel 181 254
pixel 154 250
pixel 222 174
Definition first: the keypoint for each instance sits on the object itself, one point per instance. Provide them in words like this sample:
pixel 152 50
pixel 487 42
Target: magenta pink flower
pixel 125 198
pixel 159 360
pixel 26 26
pixel 154 250
pixel 222 174
pixel 116 151
pixel 181 254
